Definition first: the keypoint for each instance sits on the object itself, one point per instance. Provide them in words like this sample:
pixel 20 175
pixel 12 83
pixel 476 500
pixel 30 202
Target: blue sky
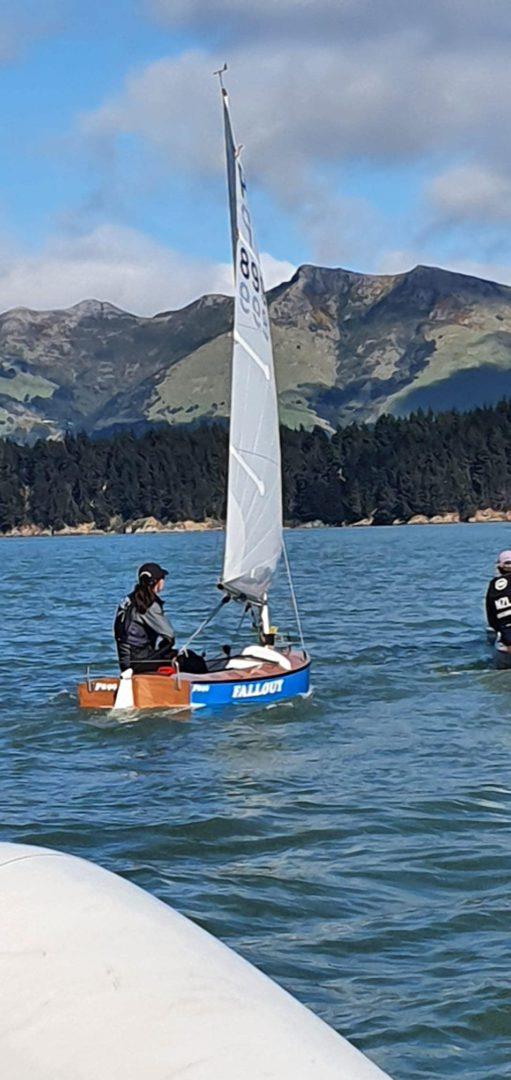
pixel 375 132
pixel 65 72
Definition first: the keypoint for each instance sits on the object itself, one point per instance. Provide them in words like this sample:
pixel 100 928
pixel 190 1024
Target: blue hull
pixel 262 691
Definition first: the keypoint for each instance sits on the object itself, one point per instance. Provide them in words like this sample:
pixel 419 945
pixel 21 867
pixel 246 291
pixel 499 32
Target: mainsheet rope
pixel 203 624
pixel 226 598
pixel 208 619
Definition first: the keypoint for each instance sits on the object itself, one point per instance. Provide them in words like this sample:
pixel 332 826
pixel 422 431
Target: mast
pixel 253 539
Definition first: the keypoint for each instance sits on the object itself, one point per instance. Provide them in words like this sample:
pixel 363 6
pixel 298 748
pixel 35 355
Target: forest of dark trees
pixel 391 470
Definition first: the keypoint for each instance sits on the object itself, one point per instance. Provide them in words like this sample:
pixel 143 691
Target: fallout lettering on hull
pixel 252 690
pixel 105 686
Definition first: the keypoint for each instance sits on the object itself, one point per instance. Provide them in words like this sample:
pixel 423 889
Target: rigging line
pixel 292 591
pixel 238 628
pixel 204 623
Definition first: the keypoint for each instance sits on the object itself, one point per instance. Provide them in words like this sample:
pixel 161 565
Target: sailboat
pixel 266 671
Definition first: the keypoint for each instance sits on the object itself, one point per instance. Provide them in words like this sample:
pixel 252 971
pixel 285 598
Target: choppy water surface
pixel 355 846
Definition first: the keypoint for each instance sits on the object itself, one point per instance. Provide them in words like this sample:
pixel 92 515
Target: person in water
pixel 498 599
pixel 143 634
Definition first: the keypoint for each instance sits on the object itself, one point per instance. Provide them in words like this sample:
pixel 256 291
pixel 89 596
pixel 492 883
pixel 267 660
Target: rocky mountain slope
pixel 347 346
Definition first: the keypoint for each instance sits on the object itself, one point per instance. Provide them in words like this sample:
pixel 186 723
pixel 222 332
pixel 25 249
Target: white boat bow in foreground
pixel 101 981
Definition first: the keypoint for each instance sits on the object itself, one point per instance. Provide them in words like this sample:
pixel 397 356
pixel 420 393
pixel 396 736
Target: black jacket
pixel 498 603
pixel 138 635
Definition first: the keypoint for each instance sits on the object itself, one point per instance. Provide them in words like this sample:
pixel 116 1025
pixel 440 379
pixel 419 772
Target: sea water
pixel 356 845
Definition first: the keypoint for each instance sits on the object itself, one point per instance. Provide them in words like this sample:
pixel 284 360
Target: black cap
pixel 152 572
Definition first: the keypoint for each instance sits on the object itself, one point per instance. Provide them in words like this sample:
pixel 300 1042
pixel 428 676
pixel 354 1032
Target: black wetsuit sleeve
pixel 491 614
pixel 157 621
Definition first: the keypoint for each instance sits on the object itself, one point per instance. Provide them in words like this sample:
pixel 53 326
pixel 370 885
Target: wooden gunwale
pixel 173 691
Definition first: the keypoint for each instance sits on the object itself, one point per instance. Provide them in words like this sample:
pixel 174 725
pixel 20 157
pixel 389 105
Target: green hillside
pixel 347 347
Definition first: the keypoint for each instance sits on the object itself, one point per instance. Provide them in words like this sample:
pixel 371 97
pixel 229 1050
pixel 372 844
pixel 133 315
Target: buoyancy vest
pixel 498 602
pixel 133 637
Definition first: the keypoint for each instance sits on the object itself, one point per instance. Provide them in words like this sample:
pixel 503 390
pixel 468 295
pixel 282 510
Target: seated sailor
pixel 143 634
pixel 498 599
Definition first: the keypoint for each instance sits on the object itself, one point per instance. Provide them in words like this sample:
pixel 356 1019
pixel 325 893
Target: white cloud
pixel 301 112
pixel 319 84
pixel 233 20
pixel 275 270
pixel 306 108
pixel 471 193
pixel 118 265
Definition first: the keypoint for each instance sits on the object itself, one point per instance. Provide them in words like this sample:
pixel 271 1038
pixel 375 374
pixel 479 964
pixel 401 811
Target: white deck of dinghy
pixel 101 981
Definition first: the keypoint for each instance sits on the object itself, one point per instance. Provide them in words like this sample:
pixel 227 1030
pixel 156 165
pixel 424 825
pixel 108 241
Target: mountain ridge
pixel 348 346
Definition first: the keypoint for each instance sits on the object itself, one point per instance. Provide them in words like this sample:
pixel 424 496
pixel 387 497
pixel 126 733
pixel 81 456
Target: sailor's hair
pixel 143 593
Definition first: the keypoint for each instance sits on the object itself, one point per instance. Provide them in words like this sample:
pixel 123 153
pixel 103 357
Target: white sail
pixel 253 543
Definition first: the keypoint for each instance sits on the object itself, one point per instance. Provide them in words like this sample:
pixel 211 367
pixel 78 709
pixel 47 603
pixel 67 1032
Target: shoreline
pixel 150 526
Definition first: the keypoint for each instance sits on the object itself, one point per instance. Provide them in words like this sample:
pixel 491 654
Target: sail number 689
pixel 251 280
pixel 250 269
